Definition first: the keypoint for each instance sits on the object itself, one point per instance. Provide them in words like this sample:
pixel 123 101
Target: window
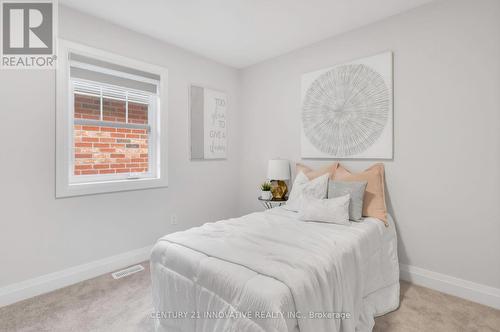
pixel 112 136
pixel 109 123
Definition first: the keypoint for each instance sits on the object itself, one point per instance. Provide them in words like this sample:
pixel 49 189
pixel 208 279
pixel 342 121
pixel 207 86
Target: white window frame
pixel 66 185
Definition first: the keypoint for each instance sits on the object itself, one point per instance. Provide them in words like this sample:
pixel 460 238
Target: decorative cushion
pixel 332 210
pixel 356 190
pixel 312 174
pixel 374 200
pixel 302 187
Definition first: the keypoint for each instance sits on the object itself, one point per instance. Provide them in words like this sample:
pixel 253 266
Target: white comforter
pixel 268 271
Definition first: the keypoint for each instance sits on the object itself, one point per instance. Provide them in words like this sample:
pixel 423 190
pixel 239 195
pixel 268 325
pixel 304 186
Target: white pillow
pixel 333 210
pixel 302 187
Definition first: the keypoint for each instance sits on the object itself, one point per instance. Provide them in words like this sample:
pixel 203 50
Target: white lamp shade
pixel 278 169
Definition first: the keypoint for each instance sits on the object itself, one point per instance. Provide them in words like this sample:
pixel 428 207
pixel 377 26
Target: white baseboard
pixel 486 295
pixel 468 290
pixel 49 282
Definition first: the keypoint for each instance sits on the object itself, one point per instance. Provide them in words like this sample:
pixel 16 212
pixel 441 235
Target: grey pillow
pixel 357 192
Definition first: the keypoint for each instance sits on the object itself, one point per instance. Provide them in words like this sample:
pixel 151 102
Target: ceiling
pixel 240 33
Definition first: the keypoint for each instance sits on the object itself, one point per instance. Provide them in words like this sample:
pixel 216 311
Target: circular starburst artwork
pixel 345 110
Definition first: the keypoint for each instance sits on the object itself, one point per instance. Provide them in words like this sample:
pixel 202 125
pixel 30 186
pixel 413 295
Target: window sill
pixel 81 189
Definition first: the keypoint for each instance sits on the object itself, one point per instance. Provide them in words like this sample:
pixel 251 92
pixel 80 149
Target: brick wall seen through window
pixel 109 149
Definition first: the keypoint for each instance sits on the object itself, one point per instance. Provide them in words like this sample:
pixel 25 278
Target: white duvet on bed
pixel 269 271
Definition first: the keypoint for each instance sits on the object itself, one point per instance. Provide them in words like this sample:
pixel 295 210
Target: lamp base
pixel 278 189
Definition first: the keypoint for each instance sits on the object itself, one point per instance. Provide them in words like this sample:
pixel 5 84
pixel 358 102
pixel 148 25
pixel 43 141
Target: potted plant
pixel 265 191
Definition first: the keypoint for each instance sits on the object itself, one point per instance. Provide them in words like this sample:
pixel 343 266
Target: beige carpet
pixel 104 304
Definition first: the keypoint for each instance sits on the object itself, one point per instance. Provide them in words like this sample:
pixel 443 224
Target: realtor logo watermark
pixel 28 34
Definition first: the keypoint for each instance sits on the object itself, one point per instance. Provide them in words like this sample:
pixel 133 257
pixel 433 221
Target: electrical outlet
pixel 173 219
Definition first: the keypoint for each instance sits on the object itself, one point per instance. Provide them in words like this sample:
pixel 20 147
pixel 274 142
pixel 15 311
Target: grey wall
pixel 40 234
pixel 444 181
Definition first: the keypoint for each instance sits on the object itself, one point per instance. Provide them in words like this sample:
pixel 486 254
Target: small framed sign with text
pixel 208 123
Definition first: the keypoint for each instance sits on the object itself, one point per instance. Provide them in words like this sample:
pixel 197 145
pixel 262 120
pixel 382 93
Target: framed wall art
pixel 208 122
pixel 347 110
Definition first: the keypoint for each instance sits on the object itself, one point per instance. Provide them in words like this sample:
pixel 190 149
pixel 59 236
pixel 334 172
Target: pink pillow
pixel 312 174
pixel 374 199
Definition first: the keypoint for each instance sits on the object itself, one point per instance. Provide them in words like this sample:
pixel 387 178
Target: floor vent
pixel 128 271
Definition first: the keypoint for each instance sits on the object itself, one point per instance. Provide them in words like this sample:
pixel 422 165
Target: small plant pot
pixel 266 195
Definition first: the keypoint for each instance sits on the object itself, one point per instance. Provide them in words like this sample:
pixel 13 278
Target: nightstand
pixel 272 203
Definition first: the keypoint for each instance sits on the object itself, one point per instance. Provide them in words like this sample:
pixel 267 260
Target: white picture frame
pixel 208 123
pixel 347 110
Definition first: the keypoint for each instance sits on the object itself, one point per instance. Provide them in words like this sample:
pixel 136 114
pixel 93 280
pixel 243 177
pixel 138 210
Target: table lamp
pixel 278 170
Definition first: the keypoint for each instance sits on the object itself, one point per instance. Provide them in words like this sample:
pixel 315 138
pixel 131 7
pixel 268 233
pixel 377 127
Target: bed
pixel 270 271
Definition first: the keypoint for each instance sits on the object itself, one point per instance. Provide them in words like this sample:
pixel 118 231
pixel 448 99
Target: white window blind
pixel 106 80
pixel 110 92
pixel 93 70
